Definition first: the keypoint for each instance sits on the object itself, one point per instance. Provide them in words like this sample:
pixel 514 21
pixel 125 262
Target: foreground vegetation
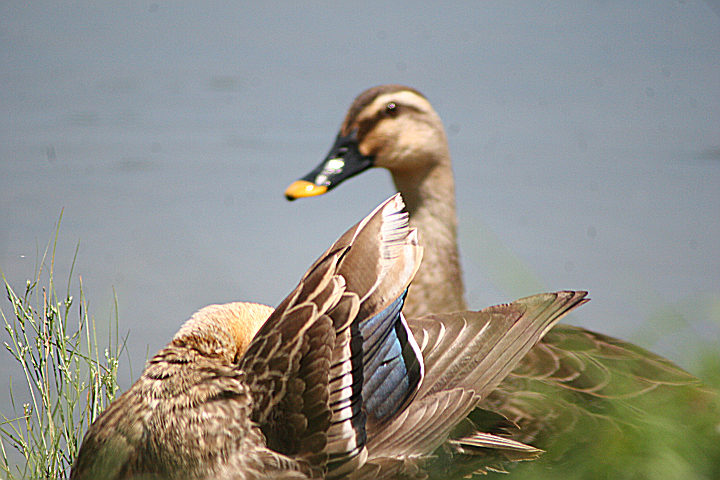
pixel 670 433
pixel 68 377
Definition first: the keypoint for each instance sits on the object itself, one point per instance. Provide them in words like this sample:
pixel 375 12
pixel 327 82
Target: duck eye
pixel 391 108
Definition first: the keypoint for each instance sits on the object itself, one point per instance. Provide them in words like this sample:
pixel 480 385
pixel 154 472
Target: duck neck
pixel 430 199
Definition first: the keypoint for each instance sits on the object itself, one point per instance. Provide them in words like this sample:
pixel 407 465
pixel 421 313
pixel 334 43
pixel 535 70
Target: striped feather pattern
pixel 337 355
pixel 466 354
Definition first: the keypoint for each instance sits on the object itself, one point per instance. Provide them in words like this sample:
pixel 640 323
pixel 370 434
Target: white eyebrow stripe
pixel 403 97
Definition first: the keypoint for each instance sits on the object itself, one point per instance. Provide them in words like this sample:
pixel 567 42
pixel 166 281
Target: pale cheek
pixel 366 147
pixel 373 146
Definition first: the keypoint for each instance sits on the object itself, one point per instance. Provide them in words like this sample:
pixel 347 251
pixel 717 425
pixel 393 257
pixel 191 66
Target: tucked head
pixel 223 331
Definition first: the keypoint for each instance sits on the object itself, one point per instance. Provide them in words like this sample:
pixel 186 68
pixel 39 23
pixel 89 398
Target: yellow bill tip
pixel 303 188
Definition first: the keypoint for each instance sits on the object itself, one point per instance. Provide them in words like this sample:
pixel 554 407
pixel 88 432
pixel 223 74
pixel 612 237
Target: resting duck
pixel 395 127
pixel 333 383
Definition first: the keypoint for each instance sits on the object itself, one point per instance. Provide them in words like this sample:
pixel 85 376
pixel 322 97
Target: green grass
pixel 67 378
pixel 672 433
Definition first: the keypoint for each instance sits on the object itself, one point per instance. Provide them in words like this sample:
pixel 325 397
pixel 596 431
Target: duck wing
pixel 337 356
pixel 467 355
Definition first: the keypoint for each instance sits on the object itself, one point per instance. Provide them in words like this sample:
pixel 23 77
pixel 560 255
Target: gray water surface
pixel 585 136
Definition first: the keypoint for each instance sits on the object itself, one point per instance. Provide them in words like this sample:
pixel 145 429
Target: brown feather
pixel 565 376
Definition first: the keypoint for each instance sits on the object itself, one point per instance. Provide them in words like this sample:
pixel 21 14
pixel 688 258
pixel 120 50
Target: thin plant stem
pixel 68 376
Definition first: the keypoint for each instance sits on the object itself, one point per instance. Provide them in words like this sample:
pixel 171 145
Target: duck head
pixel 223 331
pixel 389 126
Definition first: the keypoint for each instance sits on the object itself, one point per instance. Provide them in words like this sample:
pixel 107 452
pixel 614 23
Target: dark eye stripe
pixel 392 109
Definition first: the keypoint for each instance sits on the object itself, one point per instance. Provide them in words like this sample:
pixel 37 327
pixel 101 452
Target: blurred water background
pixel 585 137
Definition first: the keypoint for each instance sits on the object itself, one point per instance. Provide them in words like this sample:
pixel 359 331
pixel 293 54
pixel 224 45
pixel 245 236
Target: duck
pixel 396 128
pixel 331 383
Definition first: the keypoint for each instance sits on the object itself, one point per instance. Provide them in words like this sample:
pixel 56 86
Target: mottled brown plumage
pixel 330 384
pixel 571 370
pixel 179 420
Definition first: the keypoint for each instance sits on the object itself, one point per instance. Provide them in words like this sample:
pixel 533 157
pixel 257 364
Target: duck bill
pixel 342 162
